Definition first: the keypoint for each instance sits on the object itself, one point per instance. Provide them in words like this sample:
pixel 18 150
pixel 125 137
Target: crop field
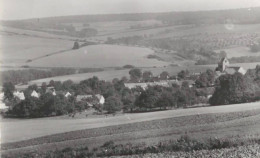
pixel 99 56
pixel 108 75
pixel 238 52
pixel 246 151
pixel 17 49
pixel 24 32
pixel 210 29
pixel 200 123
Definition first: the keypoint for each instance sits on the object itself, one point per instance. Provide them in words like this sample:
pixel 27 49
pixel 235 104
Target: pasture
pixel 220 121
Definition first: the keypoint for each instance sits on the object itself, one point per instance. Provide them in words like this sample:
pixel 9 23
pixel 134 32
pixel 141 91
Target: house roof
pixel 234 69
pixel 80 97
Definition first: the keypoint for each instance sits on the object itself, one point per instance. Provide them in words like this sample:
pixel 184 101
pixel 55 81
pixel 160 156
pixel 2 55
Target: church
pixel 225 68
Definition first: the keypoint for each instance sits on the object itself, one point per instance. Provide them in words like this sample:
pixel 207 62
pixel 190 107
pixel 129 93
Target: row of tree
pixel 236 88
pixel 26 75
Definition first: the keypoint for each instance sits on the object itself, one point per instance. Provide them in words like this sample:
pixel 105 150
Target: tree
pixel 147 76
pixel 27 108
pixel 222 54
pixel 164 75
pixel 44 87
pixel 202 81
pixel 206 79
pixel 128 100
pixel 147 98
pixel 8 89
pixel 33 87
pixel 67 85
pixel 112 104
pixel 232 89
pixel 135 74
pixel 51 83
pixel 183 74
pixel 165 100
pixel 76 45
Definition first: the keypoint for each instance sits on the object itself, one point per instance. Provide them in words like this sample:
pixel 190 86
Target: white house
pixel 35 94
pixel 100 98
pixel 2 104
pixel 67 94
pixel 19 95
pixel 144 85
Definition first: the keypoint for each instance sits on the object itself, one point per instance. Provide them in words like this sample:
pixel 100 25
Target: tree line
pixel 26 75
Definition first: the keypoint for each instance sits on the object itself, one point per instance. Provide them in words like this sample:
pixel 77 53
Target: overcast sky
pixel 23 9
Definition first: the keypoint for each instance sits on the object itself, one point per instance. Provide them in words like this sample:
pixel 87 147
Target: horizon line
pixel 121 13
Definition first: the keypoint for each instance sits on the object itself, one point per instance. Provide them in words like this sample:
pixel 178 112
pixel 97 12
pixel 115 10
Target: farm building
pixel 101 99
pixel 19 95
pixel 144 85
pixel 224 68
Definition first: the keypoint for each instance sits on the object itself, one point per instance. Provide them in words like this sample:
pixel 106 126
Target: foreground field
pixel 249 151
pixel 201 123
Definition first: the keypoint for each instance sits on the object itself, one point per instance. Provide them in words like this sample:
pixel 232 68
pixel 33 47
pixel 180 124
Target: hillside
pixel 231 121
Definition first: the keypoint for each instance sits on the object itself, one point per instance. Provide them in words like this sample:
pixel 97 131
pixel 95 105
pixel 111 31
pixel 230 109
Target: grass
pixel 17 49
pixel 101 56
pixel 201 127
pixel 238 52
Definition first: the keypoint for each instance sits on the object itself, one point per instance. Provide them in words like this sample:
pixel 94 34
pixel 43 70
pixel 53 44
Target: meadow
pixel 238 52
pixel 99 56
pixel 17 49
pixel 201 123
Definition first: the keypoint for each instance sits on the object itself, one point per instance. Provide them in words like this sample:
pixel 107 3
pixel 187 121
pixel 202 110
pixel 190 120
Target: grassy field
pixel 101 56
pixel 238 52
pixel 17 49
pixel 200 123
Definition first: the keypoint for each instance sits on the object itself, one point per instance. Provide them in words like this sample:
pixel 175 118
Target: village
pixel 201 89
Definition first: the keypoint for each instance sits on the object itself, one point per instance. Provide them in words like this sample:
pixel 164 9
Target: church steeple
pixel 223 64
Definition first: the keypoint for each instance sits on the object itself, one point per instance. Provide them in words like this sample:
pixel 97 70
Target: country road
pixel 13 130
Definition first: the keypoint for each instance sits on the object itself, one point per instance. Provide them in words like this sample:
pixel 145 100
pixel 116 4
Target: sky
pixel 24 9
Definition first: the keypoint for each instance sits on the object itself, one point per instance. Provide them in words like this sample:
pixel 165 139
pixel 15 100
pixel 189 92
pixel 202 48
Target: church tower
pixel 223 64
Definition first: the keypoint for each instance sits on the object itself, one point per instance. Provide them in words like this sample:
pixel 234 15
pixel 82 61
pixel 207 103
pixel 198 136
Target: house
pixel 3 107
pixel 19 95
pixel 225 68
pixel 100 98
pixel 35 94
pixel 67 94
pixel 89 99
pixel 144 85
pixel 82 97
